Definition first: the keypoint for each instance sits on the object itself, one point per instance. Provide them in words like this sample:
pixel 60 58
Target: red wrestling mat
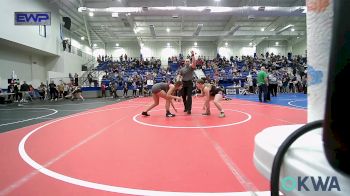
pixel 113 149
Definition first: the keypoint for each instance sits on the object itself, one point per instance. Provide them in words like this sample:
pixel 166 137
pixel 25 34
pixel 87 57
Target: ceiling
pixel 243 23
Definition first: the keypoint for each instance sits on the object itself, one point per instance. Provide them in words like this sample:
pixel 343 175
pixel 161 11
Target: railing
pixel 77 51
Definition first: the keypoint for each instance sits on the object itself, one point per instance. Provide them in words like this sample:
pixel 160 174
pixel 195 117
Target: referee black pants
pixel 187 94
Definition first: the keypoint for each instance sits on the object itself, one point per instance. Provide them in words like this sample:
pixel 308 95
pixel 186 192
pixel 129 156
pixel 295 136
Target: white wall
pixel 236 49
pixel 208 49
pixel 29 35
pixel 160 50
pixel 27 67
pixel 65 64
pixel 98 52
pixel 82 45
pixel 270 46
pixel 132 49
pixel 299 48
pixel 58 77
pixel 34 68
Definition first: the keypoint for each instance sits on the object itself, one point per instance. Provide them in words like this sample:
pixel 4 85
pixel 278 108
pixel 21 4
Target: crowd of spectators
pixel 285 74
pixel 23 92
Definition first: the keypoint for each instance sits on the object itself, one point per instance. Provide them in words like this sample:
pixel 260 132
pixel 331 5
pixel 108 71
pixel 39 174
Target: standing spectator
pixel 250 83
pixel 255 85
pixel 71 78
pixel 273 84
pixel 115 89
pixel 18 95
pixel 43 91
pixel 60 88
pixel 89 76
pixel 24 89
pixel 140 87
pixel 134 89
pixel 65 89
pixel 10 89
pixel 280 86
pixel 125 94
pixel 103 89
pixel 76 79
pixel 53 91
pixel 304 81
pixel 262 84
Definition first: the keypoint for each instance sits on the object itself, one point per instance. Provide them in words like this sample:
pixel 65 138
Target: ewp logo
pixel 310 183
pixel 32 18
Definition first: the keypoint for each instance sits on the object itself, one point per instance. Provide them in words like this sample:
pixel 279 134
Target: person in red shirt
pixel 103 89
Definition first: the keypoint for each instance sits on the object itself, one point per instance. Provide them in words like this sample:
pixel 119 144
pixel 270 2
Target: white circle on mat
pixel 104 187
pixel 35 118
pixel 195 127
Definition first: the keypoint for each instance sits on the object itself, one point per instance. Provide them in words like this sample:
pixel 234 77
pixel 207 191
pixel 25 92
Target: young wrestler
pixel 165 91
pixel 210 92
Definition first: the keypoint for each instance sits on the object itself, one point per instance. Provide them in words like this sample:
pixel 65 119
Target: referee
pixel 186 75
